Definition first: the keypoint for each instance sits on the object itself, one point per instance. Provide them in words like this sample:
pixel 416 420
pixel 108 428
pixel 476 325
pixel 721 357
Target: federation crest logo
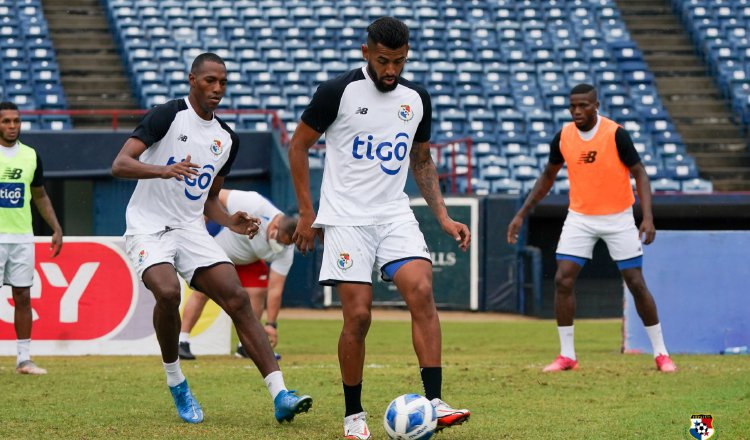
pixel 142 255
pixel 701 426
pixel 345 261
pixel 405 113
pixel 216 147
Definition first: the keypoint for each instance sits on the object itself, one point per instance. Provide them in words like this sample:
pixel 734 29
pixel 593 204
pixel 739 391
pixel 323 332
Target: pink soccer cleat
pixel 561 363
pixel 29 367
pixel 665 364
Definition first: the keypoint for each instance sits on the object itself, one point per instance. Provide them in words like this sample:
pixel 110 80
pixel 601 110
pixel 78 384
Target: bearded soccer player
pixel 21 182
pixel 377 125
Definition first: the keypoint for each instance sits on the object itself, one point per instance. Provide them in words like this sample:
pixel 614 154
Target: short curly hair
pixel 388 31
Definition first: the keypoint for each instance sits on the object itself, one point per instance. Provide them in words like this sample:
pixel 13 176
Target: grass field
pixel 493 368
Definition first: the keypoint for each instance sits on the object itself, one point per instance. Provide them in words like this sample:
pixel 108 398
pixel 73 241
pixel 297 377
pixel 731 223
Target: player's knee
pixel 637 286
pixel 421 291
pixel 236 302
pixel 168 296
pixel 22 298
pixel 564 284
pixel 358 321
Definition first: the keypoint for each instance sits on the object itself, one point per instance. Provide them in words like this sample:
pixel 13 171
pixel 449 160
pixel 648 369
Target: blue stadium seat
pixel 697 186
pixel 506 186
pixel 499 72
pixel 665 184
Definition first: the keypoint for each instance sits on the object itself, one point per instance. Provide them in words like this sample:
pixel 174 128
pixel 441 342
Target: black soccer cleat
pixel 183 351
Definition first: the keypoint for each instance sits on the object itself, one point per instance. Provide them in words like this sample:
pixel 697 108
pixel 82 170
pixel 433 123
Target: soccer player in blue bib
pixel 377 126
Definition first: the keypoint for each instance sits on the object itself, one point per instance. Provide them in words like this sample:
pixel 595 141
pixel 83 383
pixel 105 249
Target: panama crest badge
pixel 701 426
pixel 142 256
pixel 345 261
pixel 405 113
pixel 216 147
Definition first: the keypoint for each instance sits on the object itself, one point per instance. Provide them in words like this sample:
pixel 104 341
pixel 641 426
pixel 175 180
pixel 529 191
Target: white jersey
pixel 242 250
pixel 172 131
pixel 369 135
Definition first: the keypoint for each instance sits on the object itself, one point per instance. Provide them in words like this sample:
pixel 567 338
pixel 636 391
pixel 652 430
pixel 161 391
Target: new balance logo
pixel 12 173
pixel 361 111
pixel 587 157
pixel 182 138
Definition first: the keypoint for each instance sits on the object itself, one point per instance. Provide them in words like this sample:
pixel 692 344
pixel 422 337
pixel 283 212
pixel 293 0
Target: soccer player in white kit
pixel 263 282
pixel 377 126
pixel 180 153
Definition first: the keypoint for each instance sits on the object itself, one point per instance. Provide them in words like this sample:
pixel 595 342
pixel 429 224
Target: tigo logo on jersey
pixel 11 195
pixel 203 181
pixel 701 426
pixel 405 113
pixel 216 147
pixel 345 261
pixel 385 151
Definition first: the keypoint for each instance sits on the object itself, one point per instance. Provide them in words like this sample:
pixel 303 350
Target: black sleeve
pixel 157 121
pixel 224 171
pixel 424 130
pixel 555 155
pixel 625 148
pixel 38 179
pixel 324 106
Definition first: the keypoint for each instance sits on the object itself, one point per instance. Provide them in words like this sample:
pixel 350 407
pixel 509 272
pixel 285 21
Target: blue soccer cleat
pixel 287 405
pixel 187 407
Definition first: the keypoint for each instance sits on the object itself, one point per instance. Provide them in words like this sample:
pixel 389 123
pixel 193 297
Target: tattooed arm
pixel 425 174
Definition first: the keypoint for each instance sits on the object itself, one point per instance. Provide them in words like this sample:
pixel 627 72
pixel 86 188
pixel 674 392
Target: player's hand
pixel 514 228
pixel 459 232
pixel 180 170
pixel 647 231
pixel 56 245
pixel 273 335
pixel 304 235
pixel 244 224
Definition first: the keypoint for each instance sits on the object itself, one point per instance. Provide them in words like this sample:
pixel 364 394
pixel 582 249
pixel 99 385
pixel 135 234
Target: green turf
pixel 493 368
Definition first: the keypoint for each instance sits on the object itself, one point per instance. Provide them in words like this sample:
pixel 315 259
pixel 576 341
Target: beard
pixel 379 83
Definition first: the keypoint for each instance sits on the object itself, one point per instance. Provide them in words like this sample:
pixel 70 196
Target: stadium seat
pixel 499 72
pixel 665 184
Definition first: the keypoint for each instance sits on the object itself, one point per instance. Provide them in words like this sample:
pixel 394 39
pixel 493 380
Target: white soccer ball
pixel 410 417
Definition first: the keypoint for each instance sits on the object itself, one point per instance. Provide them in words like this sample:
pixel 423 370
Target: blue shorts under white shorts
pixel 185 249
pixel 581 232
pixel 350 253
pixel 17 264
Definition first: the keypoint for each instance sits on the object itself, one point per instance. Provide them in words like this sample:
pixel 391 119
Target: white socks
pixel 567 347
pixel 657 339
pixel 174 373
pixel 23 350
pixel 275 383
pixel 184 336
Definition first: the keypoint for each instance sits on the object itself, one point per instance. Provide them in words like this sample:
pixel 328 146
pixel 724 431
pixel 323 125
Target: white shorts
pixel 17 264
pixel 581 232
pixel 350 253
pixel 186 250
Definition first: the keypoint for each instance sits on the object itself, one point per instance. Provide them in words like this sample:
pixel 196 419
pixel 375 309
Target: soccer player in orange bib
pixel 601 158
